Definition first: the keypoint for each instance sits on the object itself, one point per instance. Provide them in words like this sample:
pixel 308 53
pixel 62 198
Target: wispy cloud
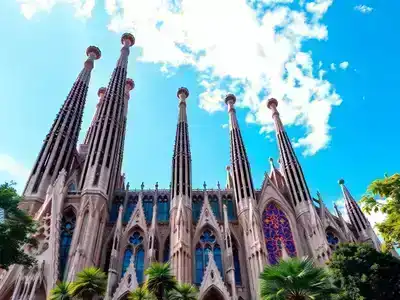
pixel 333 67
pixel 224 126
pixel 344 65
pixel 363 9
pixel 268 62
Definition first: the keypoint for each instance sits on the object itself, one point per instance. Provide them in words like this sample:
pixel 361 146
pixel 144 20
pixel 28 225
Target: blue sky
pixel 334 64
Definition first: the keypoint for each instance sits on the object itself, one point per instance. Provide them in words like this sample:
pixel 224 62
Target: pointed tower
pixel 358 219
pixel 343 224
pixel 60 143
pixel 100 93
pixel 298 191
pixel 102 165
pixel 181 204
pixel 249 218
pixel 276 177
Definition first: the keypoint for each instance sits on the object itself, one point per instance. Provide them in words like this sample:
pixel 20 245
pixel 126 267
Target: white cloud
pixel 224 126
pixel 363 9
pixel 344 65
pixel 83 8
pixel 16 170
pixel 333 67
pixel 250 48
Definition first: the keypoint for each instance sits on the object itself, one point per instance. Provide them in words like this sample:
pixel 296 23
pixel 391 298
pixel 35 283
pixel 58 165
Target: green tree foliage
pixel 62 291
pixel 387 188
pixel 365 273
pixel 140 293
pixel 183 291
pixel 296 279
pixel 16 229
pixel 160 280
pixel 90 283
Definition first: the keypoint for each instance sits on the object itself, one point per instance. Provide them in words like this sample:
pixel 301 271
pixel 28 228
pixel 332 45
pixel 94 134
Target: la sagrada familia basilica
pixel 218 239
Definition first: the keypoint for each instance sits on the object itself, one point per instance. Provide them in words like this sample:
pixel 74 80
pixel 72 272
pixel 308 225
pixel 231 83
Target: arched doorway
pixel 213 294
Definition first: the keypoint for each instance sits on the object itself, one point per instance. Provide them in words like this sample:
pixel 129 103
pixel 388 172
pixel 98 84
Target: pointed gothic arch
pixel 197 203
pixel 135 246
pixel 130 207
pixel 213 293
pixel 163 208
pixel 148 207
pixel 214 203
pixel 117 202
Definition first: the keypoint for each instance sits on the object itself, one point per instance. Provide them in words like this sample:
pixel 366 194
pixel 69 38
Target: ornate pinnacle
pixel 182 91
pixel 128 39
pixel 272 102
pixel 230 98
pixel 93 52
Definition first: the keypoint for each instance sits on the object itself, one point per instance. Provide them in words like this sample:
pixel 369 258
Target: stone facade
pixel 219 239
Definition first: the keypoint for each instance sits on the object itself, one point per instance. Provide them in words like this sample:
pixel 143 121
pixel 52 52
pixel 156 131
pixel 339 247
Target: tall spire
pixel 106 142
pixel 358 219
pixel 100 93
pixel 181 206
pixel 60 143
pixel 298 190
pixel 181 161
pixel 249 218
pixel 241 174
pixel 102 164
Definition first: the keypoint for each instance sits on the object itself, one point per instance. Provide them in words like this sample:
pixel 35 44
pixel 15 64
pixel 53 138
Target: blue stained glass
pixel 199 265
pixel 215 207
pixel 136 239
pixel 114 211
pixel 139 264
pixel 163 209
pixel 218 259
pixel 230 209
pixel 127 260
pixel 236 263
pixel 277 233
pixel 196 208
pixel 332 239
pixel 207 237
pixel 148 208
pixel 130 207
pixel 67 230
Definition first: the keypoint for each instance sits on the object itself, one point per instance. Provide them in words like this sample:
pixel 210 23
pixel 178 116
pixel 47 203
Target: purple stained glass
pixel 277 233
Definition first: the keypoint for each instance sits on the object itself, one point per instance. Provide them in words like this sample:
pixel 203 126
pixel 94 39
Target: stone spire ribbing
pixel 298 190
pixel 106 142
pixel 181 161
pixel 358 219
pixel 181 205
pixel 60 143
pixel 249 217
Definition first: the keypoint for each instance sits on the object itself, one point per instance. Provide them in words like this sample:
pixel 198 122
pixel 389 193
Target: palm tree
pixel 62 291
pixel 183 291
pixel 90 283
pixel 160 280
pixel 140 293
pixel 296 279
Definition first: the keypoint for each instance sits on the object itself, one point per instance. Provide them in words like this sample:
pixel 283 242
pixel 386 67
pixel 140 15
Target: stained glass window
pixel 333 240
pixel 139 264
pixel 163 209
pixel 136 239
pixel 236 263
pixel 127 260
pixel 148 208
pixel 207 244
pixel 67 230
pixel 115 209
pixel 197 203
pixel 130 207
pixel 230 209
pixel 215 206
pixel 72 188
pixel 199 264
pixel 166 250
pixel 277 233
pixel 218 257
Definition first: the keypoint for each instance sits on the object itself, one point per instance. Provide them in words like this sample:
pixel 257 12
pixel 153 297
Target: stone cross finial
pixel 156 185
pixel 142 186
pixel 205 185
pixel 218 185
pixel 127 186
